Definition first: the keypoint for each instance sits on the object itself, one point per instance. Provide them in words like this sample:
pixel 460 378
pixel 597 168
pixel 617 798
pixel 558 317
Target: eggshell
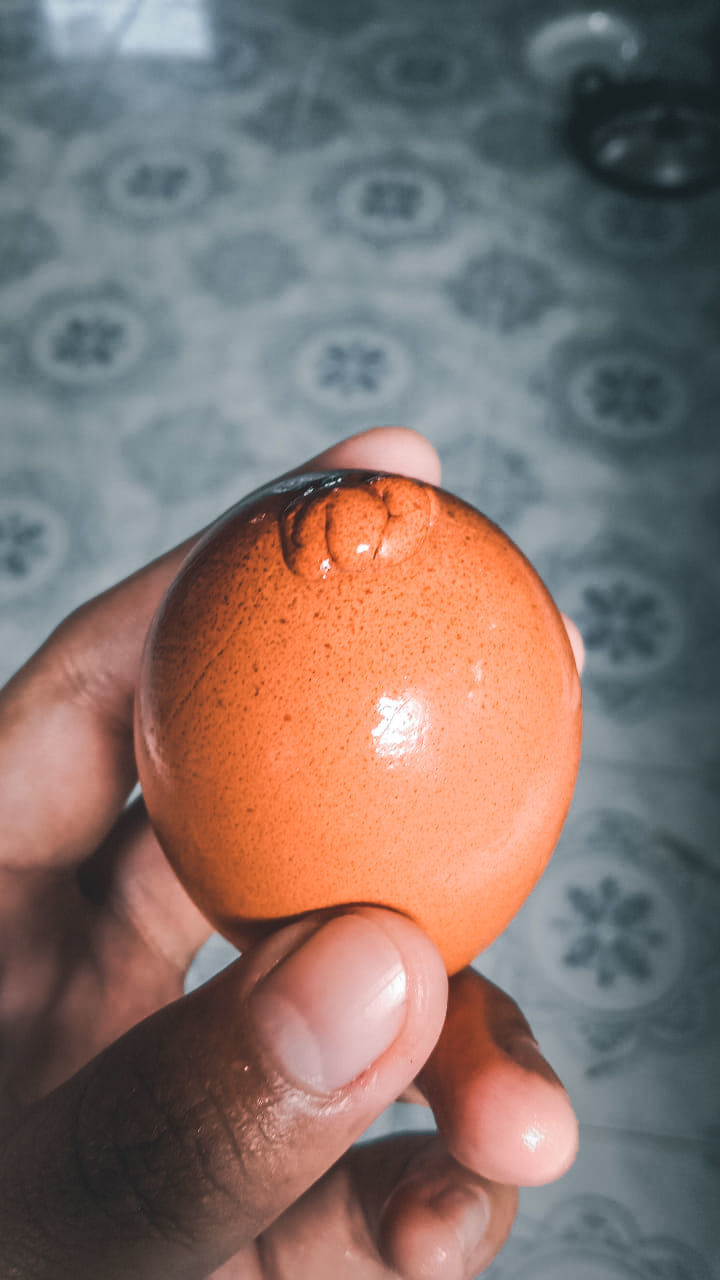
pixel 358 689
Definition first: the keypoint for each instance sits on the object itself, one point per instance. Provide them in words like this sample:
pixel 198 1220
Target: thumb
pixel 181 1142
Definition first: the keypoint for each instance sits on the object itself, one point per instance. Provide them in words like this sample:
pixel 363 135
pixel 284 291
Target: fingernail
pixel 330 1009
pixel 469 1211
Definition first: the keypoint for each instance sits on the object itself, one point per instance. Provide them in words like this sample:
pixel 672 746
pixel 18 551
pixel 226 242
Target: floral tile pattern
pixel 78 343
pixel 230 234
pixel 627 395
pixel 387 200
pixel 616 958
pixel 504 290
pixel 626 937
pixel 156 182
pixel 597 1238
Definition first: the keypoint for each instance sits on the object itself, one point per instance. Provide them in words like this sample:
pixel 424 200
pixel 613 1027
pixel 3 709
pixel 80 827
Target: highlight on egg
pixel 358 689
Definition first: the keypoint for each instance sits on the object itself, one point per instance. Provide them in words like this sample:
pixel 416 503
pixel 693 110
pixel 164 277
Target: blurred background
pixel 231 234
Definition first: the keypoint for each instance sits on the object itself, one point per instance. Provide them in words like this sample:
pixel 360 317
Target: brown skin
pixel 146 1134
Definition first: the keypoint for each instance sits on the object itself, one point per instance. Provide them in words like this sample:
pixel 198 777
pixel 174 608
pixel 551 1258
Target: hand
pixel 147 1134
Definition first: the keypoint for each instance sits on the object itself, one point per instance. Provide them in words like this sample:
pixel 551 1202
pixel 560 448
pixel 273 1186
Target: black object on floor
pixel 648 137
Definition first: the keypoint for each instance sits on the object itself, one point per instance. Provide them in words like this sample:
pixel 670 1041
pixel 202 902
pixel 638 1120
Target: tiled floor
pixel 230 234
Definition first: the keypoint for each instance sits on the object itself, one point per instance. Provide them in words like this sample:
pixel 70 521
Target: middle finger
pixel 498 1104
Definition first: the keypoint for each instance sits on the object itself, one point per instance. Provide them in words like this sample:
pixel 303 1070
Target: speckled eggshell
pixel 358 689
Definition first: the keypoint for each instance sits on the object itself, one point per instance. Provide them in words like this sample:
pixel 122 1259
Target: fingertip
pixel 522 1122
pixel 417 1245
pixel 443 1222
pixel 547 1130
pixel 393 448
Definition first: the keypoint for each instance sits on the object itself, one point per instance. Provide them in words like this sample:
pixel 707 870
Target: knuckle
pixel 72 674
pixel 170 1157
pixel 131 1156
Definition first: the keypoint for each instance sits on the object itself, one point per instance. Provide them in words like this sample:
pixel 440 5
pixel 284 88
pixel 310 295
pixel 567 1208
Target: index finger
pixel 66 750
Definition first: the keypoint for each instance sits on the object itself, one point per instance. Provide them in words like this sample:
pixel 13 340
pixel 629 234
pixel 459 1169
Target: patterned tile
pixel 624 392
pixel 254 266
pixel 25 40
pixel 230 235
pixel 615 955
pixel 505 290
pixel 66 103
pixel 79 342
pixel 58 534
pixel 26 243
pixel 156 182
pixel 291 122
pixel 500 481
pixel 521 139
pixel 164 455
pixel 430 70
pixel 599 1237
pixel 648 613
pixel 360 367
pixel 388 200
pixel 333 17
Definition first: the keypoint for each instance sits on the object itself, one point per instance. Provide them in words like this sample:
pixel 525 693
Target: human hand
pixel 147 1134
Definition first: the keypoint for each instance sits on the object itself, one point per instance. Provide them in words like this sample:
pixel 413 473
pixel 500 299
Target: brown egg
pixel 357 689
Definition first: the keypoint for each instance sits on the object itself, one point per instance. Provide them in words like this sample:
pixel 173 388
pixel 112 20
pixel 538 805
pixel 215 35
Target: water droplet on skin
pixel 533 1137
